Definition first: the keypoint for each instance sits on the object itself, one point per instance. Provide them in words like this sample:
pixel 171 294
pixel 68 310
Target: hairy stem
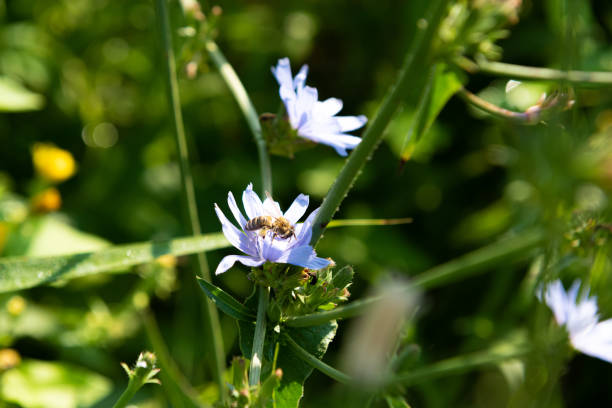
pixel 248 110
pixel 259 336
pixel 212 316
pixel 418 57
pixel 483 259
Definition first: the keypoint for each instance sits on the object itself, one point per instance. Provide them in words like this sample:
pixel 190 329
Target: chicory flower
pixel 311 118
pixel 268 247
pixel 587 334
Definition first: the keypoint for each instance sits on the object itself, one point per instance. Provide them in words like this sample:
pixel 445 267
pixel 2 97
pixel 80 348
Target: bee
pixel 280 226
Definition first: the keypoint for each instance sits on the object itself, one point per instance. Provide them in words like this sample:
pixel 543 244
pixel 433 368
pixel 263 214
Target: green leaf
pixel 396 402
pixel 314 340
pixel 21 272
pixel 15 98
pixel 226 302
pixel 41 384
pixel 443 82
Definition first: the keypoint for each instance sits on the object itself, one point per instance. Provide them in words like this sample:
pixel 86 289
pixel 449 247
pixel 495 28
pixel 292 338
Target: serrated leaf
pixel 443 82
pixel 18 273
pixel 226 303
pixel 43 384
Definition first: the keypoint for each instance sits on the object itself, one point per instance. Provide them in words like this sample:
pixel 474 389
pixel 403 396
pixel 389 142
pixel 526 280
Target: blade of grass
pixel 167 364
pixel 18 273
pixel 212 317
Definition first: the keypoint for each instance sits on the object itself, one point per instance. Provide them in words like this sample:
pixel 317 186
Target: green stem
pixel 481 260
pixel 316 363
pixel 527 118
pixel 259 336
pixel 128 394
pixel 187 184
pixel 544 74
pixel 458 365
pixel 509 250
pixel 168 366
pixel 246 106
pixel 366 222
pixel 418 58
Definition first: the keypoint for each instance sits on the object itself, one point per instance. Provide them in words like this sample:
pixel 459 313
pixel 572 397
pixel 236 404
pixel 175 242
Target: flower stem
pixel 458 365
pixel 481 260
pixel 259 336
pixel 418 58
pixel 128 394
pixel 316 363
pixel 366 222
pixel 535 73
pixel 246 106
pixel 187 184
pixel 526 118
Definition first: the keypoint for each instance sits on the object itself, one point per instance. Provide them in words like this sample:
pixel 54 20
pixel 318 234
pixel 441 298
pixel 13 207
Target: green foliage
pixel 42 384
pixel 19 273
pixel 15 98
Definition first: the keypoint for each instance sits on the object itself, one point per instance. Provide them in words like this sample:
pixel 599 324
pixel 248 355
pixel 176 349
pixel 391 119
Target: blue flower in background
pixel 263 245
pixel 587 334
pixel 312 119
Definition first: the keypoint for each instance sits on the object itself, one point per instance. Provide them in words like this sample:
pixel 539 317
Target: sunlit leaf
pixel 22 272
pixel 41 384
pixel 15 98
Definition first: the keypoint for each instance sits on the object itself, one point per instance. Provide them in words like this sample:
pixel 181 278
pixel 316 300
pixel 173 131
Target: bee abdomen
pixel 257 223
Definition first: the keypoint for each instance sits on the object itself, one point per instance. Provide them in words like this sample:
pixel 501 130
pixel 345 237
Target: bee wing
pixel 271 207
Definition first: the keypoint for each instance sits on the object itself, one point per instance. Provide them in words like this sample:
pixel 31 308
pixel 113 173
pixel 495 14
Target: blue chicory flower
pixel 312 119
pixel 259 249
pixel 587 334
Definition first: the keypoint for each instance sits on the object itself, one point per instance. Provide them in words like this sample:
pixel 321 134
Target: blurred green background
pixel 90 76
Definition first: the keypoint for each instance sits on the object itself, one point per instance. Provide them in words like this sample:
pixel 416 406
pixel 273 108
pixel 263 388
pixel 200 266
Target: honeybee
pixel 280 226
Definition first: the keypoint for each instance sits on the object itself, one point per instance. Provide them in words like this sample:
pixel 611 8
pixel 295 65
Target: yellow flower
pixel 8 358
pixel 53 163
pixel 47 200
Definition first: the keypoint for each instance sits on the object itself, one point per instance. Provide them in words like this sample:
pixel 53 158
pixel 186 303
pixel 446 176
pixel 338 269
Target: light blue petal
pixel 297 209
pixel 231 202
pixel 234 235
pixel 305 232
pixel 556 299
pixel 252 203
pixel 328 107
pixel 300 78
pixel 348 123
pixel 230 260
pixel 271 207
pixel 303 256
pixel 282 73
